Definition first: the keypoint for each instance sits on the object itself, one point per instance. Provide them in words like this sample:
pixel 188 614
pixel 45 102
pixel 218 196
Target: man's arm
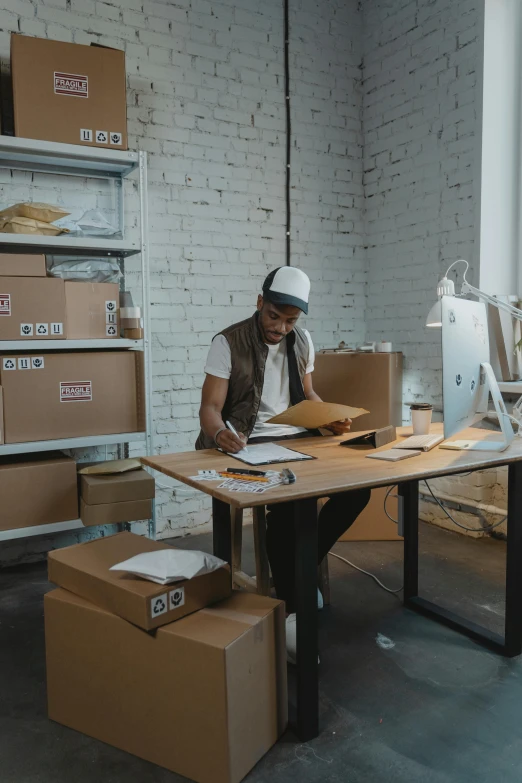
pixel 337 427
pixel 213 398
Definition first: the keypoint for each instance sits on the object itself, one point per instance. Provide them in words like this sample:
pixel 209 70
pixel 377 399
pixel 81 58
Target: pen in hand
pixel 233 431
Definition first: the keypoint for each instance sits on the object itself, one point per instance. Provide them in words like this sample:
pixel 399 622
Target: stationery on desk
pixel 268 454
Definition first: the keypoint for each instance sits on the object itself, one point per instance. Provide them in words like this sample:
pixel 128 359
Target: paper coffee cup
pixel 421 414
pixel 384 347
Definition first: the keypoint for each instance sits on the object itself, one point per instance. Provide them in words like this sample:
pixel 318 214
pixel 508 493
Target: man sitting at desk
pixel 256 369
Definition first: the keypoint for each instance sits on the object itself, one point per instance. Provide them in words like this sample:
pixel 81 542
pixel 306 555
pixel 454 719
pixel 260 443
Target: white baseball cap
pixel 288 285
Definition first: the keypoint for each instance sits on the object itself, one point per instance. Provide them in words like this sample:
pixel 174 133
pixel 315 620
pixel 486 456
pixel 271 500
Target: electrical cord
pixel 395 521
pixel 459 524
pixel 348 562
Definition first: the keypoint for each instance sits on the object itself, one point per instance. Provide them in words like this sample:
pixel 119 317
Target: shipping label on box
pixel 75 391
pixel 5 304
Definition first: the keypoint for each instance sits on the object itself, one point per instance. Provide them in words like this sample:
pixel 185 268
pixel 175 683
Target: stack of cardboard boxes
pixel 121 497
pixel 188 676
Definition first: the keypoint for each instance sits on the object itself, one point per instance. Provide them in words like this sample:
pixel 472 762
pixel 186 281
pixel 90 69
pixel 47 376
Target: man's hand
pixel 227 441
pixel 339 427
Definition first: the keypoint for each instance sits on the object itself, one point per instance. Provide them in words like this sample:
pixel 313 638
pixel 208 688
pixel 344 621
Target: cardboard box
pixel 32 308
pixel 22 265
pixel 69 92
pixel 83 569
pixel 117 488
pixel 113 513
pixel 92 310
pixel 205 697
pixel 372 524
pixel 37 490
pixel 68 395
pixel 364 380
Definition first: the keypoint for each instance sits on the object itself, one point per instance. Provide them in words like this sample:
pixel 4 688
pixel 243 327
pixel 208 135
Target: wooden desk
pixel 341 469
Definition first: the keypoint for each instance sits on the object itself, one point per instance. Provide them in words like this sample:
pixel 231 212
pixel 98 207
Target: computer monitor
pixel 467 376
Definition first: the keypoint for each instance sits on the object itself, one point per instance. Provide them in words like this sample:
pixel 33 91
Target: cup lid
pixel 421 406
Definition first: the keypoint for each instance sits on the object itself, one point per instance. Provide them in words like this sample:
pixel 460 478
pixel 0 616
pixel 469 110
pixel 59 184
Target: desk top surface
pixel 336 468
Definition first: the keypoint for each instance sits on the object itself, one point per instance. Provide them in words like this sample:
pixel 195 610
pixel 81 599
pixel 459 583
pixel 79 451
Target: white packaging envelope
pixel 170 565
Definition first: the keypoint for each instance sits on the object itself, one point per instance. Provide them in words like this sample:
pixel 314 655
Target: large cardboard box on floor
pixel 22 265
pixel 92 310
pixel 37 490
pixel 204 697
pixel 373 524
pixel 32 308
pixel 69 92
pixel 84 569
pixel 66 395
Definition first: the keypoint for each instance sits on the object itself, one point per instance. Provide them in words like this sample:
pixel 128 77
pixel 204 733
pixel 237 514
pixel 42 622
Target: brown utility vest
pixel 249 353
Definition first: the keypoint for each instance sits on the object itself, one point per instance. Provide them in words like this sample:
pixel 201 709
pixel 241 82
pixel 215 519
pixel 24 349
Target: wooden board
pixel 337 468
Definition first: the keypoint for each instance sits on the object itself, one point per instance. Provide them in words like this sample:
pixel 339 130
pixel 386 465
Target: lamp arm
pixel 467 288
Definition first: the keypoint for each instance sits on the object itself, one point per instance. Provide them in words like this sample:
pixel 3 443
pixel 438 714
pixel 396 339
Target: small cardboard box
pixel 92 310
pixel 117 488
pixel 37 490
pixel 22 265
pixel 372 524
pixel 114 513
pixel 205 697
pixel 84 570
pixel 69 395
pixel 69 92
pixel 32 308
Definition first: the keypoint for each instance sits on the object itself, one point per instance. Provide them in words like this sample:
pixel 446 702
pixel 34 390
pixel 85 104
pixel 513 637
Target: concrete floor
pixel 434 707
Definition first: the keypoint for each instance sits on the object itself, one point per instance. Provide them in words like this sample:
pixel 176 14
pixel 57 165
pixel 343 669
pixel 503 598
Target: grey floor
pixel 402 699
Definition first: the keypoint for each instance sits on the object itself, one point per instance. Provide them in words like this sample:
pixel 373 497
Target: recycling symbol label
pixel 111 330
pixel 177 598
pixel 158 605
pixel 9 364
pixel 102 137
pixel 42 329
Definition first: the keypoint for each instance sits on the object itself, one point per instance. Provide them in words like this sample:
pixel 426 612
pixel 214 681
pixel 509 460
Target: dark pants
pixel 335 517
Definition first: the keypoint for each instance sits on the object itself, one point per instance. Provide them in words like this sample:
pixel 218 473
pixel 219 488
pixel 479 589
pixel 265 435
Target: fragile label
pixel 80 391
pixel 5 304
pixel 9 364
pixel 110 306
pixel 42 330
pixel 24 364
pixel 37 363
pixel 71 84
pixel 57 328
pixel 26 330
pixel 177 598
pixel 158 605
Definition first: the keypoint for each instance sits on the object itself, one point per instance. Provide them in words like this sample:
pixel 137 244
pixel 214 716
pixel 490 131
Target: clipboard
pixel 374 439
pixel 268 454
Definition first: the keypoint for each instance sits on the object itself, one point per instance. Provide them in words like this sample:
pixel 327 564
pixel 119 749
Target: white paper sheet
pixel 267 453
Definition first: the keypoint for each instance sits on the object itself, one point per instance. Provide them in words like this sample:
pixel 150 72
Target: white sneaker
pixel 291 640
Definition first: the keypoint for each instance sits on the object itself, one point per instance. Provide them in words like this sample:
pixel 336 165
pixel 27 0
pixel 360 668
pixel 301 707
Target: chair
pixel 262 582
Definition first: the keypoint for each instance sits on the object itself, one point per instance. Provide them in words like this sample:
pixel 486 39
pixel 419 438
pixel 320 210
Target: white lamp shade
pixel 434 318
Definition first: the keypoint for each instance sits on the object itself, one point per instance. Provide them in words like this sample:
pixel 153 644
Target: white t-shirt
pixel 275 397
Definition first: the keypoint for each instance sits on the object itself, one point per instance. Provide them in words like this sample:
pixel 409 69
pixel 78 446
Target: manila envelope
pixel 312 414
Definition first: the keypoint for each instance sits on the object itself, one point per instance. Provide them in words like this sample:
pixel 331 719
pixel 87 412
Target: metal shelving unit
pixel 96 163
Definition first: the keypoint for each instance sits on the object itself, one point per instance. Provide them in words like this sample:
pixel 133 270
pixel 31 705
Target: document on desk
pixel 268 453
pixel 312 414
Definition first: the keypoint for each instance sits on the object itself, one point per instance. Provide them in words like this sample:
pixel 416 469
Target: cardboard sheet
pixel 311 414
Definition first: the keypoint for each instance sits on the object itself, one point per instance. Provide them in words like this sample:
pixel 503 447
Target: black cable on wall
pixel 288 130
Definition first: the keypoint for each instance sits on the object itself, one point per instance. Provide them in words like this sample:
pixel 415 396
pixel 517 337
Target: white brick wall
pixel 421 150
pixel 206 100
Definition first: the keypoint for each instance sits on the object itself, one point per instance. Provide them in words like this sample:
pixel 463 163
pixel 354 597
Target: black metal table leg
pixel 409 494
pixel 513 620
pixel 222 530
pixel 305 520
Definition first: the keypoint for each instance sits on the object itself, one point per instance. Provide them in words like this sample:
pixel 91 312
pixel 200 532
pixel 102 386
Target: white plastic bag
pixel 93 270
pixel 170 565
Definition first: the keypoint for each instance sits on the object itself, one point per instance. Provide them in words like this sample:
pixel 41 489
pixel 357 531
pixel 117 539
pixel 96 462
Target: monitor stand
pixel 503 418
